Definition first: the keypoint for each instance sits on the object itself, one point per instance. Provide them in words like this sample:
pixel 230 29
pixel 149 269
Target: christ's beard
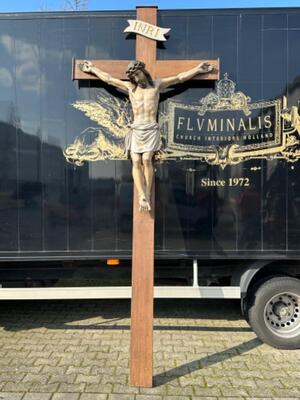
pixel 142 84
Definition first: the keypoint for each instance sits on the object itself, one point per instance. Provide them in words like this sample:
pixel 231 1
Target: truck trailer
pixel 227 183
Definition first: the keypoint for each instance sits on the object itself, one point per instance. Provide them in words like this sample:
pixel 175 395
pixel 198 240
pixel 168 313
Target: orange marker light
pixel 113 261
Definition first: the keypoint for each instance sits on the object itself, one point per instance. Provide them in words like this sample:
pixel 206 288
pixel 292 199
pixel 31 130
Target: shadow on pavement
pixel 115 314
pixel 205 362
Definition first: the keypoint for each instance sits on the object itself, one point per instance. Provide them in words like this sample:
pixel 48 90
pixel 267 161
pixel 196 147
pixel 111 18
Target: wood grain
pixel 165 68
pixel 141 346
pixel 116 68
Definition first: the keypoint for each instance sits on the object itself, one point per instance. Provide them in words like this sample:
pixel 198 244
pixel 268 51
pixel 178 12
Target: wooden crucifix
pixel 170 72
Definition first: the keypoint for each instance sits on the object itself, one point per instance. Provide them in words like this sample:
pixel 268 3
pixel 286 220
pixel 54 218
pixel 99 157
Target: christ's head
pixel 138 75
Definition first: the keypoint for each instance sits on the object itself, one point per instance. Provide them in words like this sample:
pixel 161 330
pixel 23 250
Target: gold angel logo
pixel 105 141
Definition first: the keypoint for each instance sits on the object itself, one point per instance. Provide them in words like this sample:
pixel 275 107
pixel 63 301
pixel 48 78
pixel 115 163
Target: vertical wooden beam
pixel 145 47
pixel 141 348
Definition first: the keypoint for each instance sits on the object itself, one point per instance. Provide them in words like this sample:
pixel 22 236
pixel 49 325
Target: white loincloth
pixel 143 138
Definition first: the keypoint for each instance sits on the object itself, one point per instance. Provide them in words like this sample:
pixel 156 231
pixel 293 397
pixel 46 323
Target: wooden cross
pixel 141 350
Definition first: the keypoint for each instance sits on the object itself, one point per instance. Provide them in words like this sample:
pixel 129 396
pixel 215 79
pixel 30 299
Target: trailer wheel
pixel 274 312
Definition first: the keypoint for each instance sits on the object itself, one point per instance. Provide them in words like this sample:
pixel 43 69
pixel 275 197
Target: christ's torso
pixel 144 104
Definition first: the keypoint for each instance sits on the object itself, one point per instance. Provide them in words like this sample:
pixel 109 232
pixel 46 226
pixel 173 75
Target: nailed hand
pixel 86 66
pixel 205 67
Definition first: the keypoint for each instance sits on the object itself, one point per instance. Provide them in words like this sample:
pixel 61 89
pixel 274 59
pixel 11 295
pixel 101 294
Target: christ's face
pixel 140 79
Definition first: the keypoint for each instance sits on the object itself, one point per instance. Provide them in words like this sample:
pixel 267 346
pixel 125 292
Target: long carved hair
pixel 138 66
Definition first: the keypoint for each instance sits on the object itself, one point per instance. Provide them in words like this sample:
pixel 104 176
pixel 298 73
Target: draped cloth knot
pixel 143 138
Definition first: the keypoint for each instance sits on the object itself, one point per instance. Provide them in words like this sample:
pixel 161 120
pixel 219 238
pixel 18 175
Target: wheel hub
pixel 282 309
pixel 282 314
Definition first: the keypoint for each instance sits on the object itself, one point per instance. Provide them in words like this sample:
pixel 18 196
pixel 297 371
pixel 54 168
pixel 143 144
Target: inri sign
pixel 145 29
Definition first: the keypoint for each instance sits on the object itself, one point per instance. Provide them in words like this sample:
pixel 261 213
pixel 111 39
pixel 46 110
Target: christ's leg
pixel 148 173
pixel 139 181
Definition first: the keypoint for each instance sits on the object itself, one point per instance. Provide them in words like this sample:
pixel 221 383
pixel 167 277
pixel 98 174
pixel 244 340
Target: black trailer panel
pixel 50 209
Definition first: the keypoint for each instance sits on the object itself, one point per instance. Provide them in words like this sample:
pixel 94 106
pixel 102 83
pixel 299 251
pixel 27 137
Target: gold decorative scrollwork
pixel 225 98
pixel 112 117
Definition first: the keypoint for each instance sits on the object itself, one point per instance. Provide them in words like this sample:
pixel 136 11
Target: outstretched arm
pixel 88 67
pixel 202 68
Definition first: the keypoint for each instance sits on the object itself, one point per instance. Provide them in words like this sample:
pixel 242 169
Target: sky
pixel 57 5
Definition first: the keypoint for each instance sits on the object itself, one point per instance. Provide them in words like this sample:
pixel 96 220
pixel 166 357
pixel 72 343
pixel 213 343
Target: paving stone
pixel 6 361
pixel 81 378
pixel 47 361
pixel 291 392
pixel 260 392
pixel 105 356
pixel 208 392
pixel 63 378
pixel 292 372
pixel 285 398
pixel 11 396
pixel 251 373
pixel 206 398
pixel 92 396
pixel 191 380
pixel 72 387
pixel 11 376
pixel 97 370
pixel 78 370
pixel 233 398
pixel 122 379
pixel 216 381
pixel 38 354
pixel 65 396
pixel 158 390
pixel 118 389
pixel 259 398
pixel 37 396
pixel 274 374
pixel 70 361
pixel 269 383
pixel 36 378
pixel 16 387
pixel 93 363
pixel 188 390
pixel 47 369
pixel 98 388
pixel 234 392
pixel 103 349
pixel 55 347
pixel 47 388
pixel 176 397
pixel 288 382
pixel 246 382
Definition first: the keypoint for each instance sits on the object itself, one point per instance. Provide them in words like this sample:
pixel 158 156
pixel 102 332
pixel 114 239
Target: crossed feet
pixel 144 203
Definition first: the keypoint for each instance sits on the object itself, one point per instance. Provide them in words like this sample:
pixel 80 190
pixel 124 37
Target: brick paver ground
pixel 78 350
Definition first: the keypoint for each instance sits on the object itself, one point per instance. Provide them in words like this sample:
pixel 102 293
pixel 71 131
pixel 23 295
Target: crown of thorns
pixel 135 66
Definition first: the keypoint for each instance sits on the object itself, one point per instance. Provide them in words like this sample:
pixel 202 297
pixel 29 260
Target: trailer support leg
pixel 195 273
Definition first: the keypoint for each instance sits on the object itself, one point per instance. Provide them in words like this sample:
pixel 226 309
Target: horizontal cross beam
pixel 162 68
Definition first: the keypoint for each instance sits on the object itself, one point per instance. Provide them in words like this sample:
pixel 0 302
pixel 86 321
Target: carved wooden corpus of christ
pixel 139 80
pixel 144 138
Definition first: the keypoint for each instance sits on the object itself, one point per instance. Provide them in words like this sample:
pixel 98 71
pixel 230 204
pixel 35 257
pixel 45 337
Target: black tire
pixel 274 312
